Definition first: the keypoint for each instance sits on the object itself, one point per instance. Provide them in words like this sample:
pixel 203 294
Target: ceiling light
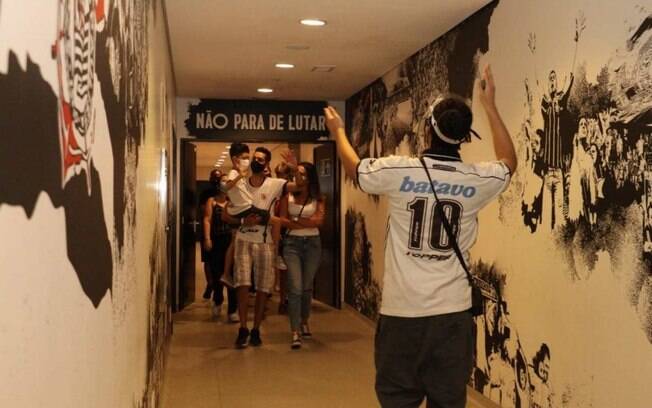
pixel 265 90
pixel 313 22
pixel 297 47
pixel 284 65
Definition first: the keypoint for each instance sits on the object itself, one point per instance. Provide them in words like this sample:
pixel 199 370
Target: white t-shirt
pixel 294 210
pixel 423 276
pixel 263 197
pixel 239 195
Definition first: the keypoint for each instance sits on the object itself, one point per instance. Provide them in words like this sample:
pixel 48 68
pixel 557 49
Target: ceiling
pixel 227 49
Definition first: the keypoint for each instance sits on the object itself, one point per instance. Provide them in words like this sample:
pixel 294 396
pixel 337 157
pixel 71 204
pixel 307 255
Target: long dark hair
pixel 314 191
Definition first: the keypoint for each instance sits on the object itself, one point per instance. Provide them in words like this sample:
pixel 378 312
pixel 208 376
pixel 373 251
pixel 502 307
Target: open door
pixel 189 225
pixel 327 281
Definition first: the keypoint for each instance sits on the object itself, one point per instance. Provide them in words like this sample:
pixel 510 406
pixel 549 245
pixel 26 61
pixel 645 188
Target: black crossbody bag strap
pixel 447 226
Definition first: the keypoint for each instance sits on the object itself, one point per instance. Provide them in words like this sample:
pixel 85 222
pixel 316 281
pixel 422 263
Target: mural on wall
pixel 72 125
pixel 585 145
pixel 362 291
pixel 92 46
pixel 582 126
pixel 503 369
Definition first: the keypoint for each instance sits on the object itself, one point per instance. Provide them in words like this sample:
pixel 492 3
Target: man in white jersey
pixel 255 246
pixel 424 338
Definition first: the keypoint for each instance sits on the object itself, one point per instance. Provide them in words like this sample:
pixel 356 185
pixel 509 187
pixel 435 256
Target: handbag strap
pixel 447 226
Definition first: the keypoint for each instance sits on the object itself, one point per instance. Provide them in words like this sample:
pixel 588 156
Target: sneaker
pixel 305 331
pixel 208 292
pixel 234 317
pixel 296 341
pixel 241 341
pixel 216 310
pixel 254 339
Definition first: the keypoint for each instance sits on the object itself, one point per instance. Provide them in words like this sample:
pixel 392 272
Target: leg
pixel 547 202
pixel 312 258
pixel 446 361
pixel 261 302
pixel 207 274
pixel 232 297
pixel 292 255
pixel 243 252
pixel 397 345
pixel 229 257
pixel 264 257
pixel 243 304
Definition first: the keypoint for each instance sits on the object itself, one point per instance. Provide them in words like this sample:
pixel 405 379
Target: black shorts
pixel 424 357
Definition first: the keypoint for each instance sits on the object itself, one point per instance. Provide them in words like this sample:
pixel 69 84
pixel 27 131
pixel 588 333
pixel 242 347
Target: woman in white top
pixel 302 213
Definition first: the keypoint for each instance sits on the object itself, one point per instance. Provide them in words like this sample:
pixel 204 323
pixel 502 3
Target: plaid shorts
pixel 261 258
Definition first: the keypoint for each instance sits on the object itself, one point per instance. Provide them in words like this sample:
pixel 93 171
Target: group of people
pixel 425 334
pixel 262 232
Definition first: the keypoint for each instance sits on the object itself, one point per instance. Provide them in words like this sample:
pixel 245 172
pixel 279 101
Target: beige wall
pixel 84 313
pixel 584 290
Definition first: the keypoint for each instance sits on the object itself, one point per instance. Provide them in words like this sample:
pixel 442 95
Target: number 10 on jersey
pixel 437 237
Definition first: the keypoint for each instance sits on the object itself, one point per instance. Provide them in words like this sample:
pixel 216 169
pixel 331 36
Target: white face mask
pixel 244 164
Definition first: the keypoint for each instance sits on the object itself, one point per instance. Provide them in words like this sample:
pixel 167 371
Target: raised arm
pixel 503 146
pixel 345 151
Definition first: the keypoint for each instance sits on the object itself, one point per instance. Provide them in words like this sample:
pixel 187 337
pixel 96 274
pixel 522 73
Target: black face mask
pixel 257 167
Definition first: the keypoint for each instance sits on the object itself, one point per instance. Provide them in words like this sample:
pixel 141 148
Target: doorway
pixel 199 157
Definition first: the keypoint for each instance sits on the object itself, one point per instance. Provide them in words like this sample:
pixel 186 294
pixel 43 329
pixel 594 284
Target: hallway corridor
pixel 334 369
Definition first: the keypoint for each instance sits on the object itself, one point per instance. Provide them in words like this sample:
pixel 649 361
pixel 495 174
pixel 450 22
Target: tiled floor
pixel 335 369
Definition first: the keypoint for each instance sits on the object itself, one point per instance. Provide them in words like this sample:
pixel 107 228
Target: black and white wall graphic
pixel 573 233
pixel 362 290
pixel 75 123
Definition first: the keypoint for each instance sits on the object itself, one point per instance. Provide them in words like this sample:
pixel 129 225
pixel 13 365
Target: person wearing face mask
pixel 240 199
pixel 255 245
pixel 204 197
pixel 217 239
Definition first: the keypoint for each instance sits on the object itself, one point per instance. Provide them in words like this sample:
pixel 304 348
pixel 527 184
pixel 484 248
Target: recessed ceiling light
pixel 265 90
pixel 297 47
pixel 284 65
pixel 313 22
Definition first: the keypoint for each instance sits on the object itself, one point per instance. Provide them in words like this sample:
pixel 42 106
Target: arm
pixel 503 146
pixel 283 215
pixel 231 183
pixel 208 214
pixel 229 219
pixel 347 154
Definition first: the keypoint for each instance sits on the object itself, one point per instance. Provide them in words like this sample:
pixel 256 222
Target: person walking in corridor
pixel 424 337
pixel 302 213
pixel 255 247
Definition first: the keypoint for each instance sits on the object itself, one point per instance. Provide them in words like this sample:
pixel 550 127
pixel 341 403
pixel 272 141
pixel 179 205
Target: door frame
pixel 293 140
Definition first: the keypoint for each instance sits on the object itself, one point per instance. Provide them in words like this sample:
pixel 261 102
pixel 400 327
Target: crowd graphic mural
pixel 362 290
pixel 94 87
pixel 583 181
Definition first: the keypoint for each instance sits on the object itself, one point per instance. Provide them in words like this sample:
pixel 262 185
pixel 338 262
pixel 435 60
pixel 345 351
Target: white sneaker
pixel 216 310
pixel 234 318
pixel 296 341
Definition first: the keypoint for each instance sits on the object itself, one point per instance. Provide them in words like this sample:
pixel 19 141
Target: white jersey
pixel 423 276
pixel 239 195
pixel 264 198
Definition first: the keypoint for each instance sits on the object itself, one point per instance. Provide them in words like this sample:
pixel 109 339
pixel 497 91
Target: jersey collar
pixel 442 157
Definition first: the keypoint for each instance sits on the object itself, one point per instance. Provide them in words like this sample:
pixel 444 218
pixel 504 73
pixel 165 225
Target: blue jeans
pixel 302 256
